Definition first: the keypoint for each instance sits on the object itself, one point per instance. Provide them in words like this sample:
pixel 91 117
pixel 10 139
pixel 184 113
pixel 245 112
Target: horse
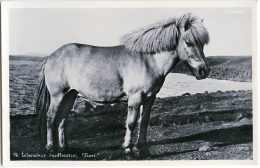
pixel 133 71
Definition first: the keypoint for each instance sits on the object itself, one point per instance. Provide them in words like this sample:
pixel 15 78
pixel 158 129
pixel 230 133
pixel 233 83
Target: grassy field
pixel 235 68
pixel 178 126
pixel 22 83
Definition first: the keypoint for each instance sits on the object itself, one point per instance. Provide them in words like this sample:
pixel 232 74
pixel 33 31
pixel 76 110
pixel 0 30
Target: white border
pixel 118 4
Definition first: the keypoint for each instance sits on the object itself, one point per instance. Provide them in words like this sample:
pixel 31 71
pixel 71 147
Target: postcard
pixel 126 83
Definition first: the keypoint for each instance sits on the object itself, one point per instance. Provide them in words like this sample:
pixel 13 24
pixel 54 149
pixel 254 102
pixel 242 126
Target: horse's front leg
pixel 134 102
pixel 144 120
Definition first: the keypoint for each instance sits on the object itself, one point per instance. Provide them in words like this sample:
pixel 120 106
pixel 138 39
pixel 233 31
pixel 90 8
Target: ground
pixel 208 126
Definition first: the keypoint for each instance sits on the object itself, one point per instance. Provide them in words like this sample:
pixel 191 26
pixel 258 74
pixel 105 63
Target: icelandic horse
pixel 134 71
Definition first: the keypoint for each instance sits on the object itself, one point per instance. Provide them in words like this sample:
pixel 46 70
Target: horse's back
pixel 92 71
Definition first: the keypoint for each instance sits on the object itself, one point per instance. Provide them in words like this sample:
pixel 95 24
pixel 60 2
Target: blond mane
pixel 164 36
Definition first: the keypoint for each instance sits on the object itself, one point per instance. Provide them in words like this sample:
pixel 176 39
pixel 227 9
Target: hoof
pixel 128 154
pixel 129 157
pixel 142 153
pixel 63 149
pixel 49 149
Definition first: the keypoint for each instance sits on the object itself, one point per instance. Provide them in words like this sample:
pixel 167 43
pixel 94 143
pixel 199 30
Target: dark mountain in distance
pixel 36 54
pixel 25 58
pixel 236 68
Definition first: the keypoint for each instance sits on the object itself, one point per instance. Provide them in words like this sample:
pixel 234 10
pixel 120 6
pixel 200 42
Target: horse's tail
pixel 42 104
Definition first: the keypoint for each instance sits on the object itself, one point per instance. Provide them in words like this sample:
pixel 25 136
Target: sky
pixel 44 30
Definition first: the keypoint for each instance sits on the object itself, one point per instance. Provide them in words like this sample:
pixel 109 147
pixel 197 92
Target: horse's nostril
pixel 201 72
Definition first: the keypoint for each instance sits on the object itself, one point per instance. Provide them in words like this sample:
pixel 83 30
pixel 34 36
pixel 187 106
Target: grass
pixel 175 127
pixel 23 80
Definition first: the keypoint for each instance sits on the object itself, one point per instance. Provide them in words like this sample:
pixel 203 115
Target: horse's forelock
pixel 196 33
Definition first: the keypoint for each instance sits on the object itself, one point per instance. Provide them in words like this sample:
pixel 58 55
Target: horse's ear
pixel 202 20
pixel 186 25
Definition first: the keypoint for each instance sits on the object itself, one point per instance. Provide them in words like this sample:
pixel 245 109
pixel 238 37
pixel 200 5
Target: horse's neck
pixel 165 61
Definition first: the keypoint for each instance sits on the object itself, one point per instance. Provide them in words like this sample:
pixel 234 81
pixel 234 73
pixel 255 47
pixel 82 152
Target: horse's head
pixel 192 38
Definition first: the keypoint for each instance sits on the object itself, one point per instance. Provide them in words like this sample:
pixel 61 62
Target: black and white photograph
pixel 85 82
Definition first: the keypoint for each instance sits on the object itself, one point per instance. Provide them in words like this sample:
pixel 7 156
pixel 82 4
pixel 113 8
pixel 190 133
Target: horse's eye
pixel 188 44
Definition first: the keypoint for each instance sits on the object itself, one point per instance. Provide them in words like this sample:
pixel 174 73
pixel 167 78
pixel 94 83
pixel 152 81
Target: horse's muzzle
pixel 202 73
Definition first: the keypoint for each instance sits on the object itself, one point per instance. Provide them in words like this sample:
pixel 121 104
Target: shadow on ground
pixel 223 137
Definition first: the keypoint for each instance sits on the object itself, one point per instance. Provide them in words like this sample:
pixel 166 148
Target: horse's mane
pixel 164 36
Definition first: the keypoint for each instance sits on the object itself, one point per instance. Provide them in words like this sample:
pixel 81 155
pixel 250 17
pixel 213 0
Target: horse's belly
pixel 101 89
pixel 103 96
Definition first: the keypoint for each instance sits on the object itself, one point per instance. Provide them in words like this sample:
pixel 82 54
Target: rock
pixel 243 148
pixel 239 117
pixel 206 143
pixel 165 125
pixel 204 149
pixel 198 106
pixel 186 94
pixel 78 107
pixel 244 120
pixel 215 148
pixel 208 154
pixel 207 118
pixel 214 152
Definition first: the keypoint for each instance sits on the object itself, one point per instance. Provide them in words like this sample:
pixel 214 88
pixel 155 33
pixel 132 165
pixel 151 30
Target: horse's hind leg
pixel 51 115
pixel 59 109
pixel 62 114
